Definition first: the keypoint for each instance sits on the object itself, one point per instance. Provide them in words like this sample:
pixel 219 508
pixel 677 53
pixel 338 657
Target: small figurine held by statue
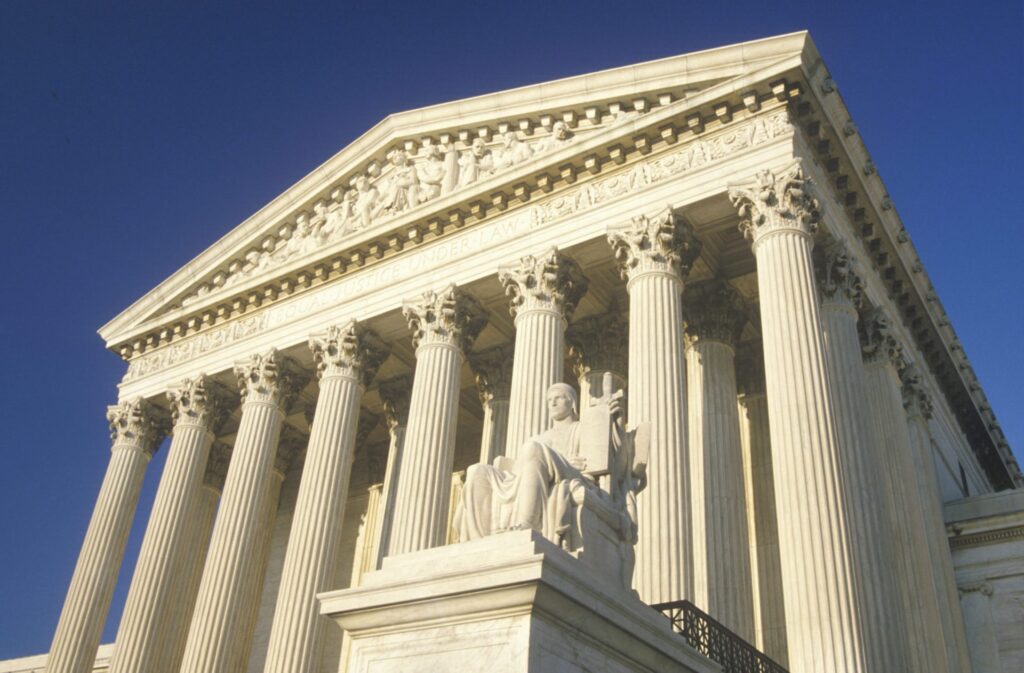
pixel 575 483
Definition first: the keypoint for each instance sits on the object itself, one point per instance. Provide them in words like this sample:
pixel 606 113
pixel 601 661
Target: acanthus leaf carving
pixel 664 243
pixel 713 311
pixel 492 370
pixel 199 401
pixel 599 343
pixel 395 395
pixel 878 343
pixel 450 317
pixel 137 423
pixel 550 281
pixel 776 202
pixel 350 350
pixel 269 378
pixel 836 270
pixel 916 398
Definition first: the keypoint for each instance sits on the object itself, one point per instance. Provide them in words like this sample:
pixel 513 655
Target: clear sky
pixel 136 134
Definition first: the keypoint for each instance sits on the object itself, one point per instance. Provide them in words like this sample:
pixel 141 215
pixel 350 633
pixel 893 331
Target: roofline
pixel 434 118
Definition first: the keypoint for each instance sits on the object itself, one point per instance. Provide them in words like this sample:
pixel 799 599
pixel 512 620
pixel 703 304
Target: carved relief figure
pixel 366 202
pixel 560 137
pixel 476 163
pixel 512 151
pixel 565 482
pixel 402 190
pixel 431 171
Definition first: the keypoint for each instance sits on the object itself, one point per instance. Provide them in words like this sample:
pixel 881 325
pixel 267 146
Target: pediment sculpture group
pixel 575 483
pixel 405 182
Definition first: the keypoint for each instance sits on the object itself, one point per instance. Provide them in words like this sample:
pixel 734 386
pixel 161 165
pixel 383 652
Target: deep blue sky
pixel 133 138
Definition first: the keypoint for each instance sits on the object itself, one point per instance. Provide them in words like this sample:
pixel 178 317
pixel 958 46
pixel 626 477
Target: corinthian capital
pixel 773 202
pixel 350 350
pixel 599 343
pixel 269 377
pixel 395 395
pixel 449 317
pixel 199 401
pixel 878 344
pixel 713 311
pixel 492 369
pixel 137 423
pixel 551 282
pixel 838 280
pixel 916 399
pixel 664 243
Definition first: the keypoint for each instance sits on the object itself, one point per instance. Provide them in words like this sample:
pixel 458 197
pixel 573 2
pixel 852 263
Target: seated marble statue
pixel 575 483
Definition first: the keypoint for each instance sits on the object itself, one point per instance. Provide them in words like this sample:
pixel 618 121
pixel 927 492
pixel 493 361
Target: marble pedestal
pixel 508 603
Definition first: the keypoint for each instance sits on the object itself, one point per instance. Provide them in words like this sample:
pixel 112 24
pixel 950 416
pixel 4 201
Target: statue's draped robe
pixel 535 493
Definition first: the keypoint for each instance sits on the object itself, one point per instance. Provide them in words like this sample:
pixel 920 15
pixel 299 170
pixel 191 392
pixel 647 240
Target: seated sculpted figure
pixel 575 483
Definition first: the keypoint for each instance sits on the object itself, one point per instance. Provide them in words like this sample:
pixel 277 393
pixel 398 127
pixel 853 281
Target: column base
pixel 508 603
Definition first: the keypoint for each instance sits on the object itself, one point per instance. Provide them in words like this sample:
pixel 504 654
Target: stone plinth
pixel 508 603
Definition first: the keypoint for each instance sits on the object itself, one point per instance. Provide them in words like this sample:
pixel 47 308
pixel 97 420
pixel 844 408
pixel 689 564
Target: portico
pixel 398 315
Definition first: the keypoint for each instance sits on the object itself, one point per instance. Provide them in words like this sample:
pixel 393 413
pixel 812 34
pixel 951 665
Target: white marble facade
pixel 707 232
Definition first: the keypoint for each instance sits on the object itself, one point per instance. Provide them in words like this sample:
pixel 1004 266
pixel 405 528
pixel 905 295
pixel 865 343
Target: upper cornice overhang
pixel 682 95
pixel 684 75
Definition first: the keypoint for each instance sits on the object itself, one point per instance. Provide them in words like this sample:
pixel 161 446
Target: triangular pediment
pixel 422 162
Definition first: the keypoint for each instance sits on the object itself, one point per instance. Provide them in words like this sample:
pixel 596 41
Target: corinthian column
pixel 922 629
pixel 346 358
pixel 136 430
pixel 544 292
pixel 217 639
pixel 714 316
pixel 444 325
pixel 861 462
pixel 762 522
pixel 780 216
pixel 655 255
pixel 918 404
pixel 492 369
pixel 152 609
pixel 599 344
pixel 198 543
pixel 394 395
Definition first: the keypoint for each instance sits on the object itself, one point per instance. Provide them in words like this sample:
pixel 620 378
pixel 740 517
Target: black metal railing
pixel 716 642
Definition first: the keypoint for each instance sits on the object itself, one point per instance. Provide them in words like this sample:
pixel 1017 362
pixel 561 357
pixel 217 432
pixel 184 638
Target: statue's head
pixel 562 402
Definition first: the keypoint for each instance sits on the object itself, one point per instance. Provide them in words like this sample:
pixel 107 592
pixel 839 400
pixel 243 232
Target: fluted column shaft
pixel 220 632
pixel 495 430
pixel 394 394
pixel 544 291
pixel 980 627
pixel 347 358
pixel 766 567
pixel 655 254
pixel 922 630
pixel 822 623
pixel 861 464
pixel 443 325
pixel 919 410
pixel 721 552
pixel 198 544
pixel 424 481
pixel 136 435
pixel 492 369
pixel 152 607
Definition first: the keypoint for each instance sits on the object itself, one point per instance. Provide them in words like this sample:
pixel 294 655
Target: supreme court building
pixel 817 467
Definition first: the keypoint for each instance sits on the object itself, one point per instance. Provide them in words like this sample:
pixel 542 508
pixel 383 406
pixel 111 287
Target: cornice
pixel 649 160
pixel 588 101
pixel 854 181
